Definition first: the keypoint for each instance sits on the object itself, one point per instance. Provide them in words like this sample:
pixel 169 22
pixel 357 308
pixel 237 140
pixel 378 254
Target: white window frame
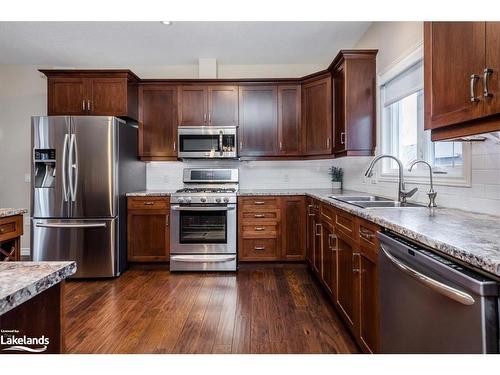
pixel 418 175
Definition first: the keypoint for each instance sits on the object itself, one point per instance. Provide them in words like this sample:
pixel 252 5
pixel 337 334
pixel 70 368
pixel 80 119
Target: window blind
pixel 404 84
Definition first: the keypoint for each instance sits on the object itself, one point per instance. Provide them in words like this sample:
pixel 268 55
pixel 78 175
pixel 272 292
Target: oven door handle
pixel 191 259
pixel 204 208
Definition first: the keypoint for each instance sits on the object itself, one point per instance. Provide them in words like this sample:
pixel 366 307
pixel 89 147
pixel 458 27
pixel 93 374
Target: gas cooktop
pixel 207 190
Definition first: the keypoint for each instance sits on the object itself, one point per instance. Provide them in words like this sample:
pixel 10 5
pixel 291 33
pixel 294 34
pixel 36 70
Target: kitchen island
pixel 31 306
pixel 11 230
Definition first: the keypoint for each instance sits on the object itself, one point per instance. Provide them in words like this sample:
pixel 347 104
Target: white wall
pixel 395 40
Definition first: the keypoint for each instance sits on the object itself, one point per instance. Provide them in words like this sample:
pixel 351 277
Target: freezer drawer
pixel 91 243
pixel 203 262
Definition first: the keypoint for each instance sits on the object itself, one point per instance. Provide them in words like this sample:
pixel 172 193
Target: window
pixel 403 135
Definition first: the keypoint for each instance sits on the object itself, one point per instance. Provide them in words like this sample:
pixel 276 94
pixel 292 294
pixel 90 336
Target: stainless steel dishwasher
pixel 430 304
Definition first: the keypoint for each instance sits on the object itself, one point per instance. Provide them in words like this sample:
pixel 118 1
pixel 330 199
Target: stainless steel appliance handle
pixel 73 165
pixel 221 141
pixel 63 169
pixel 446 290
pixel 219 259
pixel 203 208
pixel 70 225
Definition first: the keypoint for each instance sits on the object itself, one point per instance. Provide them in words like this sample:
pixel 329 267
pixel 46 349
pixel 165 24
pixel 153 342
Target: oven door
pixel 203 229
pixel 207 142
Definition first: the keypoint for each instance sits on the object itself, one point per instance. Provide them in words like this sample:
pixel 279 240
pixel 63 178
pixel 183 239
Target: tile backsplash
pixel 482 196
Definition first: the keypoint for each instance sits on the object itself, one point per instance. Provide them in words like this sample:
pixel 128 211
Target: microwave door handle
pixel 221 140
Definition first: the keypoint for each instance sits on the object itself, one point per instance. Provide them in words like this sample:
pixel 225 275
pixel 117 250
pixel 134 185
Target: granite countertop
pixel 4 212
pixel 21 281
pixel 470 237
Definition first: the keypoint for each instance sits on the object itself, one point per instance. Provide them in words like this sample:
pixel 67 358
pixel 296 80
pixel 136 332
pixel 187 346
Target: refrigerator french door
pixel 76 198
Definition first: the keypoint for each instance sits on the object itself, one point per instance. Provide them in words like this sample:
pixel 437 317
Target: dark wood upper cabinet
pixel 289 120
pixel 193 105
pixel 258 120
pixel 354 85
pixel 92 92
pixel 223 105
pixel 158 122
pixel 317 116
pixel 461 68
pixel 293 227
pixel 202 105
pixel 67 96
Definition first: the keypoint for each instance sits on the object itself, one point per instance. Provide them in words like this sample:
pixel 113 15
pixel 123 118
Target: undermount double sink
pixel 373 201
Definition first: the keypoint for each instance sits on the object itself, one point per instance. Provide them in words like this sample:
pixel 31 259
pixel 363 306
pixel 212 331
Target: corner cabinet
pixel 92 93
pixel 158 122
pixel 148 229
pixel 354 92
pixel 317 116
pixel 462 84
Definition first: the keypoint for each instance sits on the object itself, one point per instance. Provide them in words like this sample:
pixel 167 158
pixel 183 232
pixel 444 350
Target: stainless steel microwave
pixel 207 142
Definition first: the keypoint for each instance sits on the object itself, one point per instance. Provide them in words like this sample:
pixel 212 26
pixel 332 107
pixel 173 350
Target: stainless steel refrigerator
pixel 82 166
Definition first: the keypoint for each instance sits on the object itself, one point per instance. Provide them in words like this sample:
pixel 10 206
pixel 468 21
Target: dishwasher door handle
pixel 446 290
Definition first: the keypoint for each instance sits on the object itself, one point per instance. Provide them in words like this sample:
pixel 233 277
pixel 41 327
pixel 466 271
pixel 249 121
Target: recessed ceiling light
pixel 166 22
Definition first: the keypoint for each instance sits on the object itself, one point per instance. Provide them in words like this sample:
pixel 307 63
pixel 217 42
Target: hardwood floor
pixel 271 308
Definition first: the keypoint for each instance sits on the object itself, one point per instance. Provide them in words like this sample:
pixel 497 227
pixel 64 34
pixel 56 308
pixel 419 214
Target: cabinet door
pixel 492 79
pixel 108 97
pixel 453 52
pixel 346 268
pixel 223 105
pixel 67 96
pixel 317 117
pixel 193 106
pixel 339 96
pixel 368 324
pixel 293 222
pixel 158 121
pixel 317 245
pixel 329 261
pixel 310 231
pixel 258 121
pixel 289 119
pixel 148 236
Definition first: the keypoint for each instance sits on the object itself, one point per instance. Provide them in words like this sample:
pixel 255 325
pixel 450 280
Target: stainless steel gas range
pixel 203 227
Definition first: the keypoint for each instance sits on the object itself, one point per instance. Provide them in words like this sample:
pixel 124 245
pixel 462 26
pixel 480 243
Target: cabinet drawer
pixel 11 227
pixel 260 230
pixel 368 234
pixel 259 249
pixel 327 212
pixel 259 202
pixel 344 221
pixel 260 216
pixel 148 203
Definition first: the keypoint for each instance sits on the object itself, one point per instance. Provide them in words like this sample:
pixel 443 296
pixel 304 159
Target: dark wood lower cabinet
pixel 293 239
pixel 148 229
pixel 342 252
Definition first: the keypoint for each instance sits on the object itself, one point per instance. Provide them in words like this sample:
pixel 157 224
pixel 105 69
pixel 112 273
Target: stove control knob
pixel 188 200
pixel 180 200
pixel 226 199
pixel 218 200
pixel 203 199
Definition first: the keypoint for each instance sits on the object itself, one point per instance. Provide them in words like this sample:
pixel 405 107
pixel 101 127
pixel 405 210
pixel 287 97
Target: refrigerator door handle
pixel 73 167
pixel 70 225
pixel 63 169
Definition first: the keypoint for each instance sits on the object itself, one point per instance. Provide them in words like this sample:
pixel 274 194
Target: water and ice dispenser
pixel 45 168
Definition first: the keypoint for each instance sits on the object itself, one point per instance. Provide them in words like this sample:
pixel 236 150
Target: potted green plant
pixel 337 175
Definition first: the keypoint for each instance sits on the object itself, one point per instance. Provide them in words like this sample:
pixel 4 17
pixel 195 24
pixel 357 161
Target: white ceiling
pixel 123 44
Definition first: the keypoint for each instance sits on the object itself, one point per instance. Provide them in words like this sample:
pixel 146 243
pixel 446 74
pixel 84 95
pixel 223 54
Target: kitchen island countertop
pixel 5 212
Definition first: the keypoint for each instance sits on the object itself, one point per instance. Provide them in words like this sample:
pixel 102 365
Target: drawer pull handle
pixel 149 203
pixel 366 234
pixel 259 203
pixel 259 215
pixel 2 230
pixel 260 228
pixel 259 248
pixel 318 233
